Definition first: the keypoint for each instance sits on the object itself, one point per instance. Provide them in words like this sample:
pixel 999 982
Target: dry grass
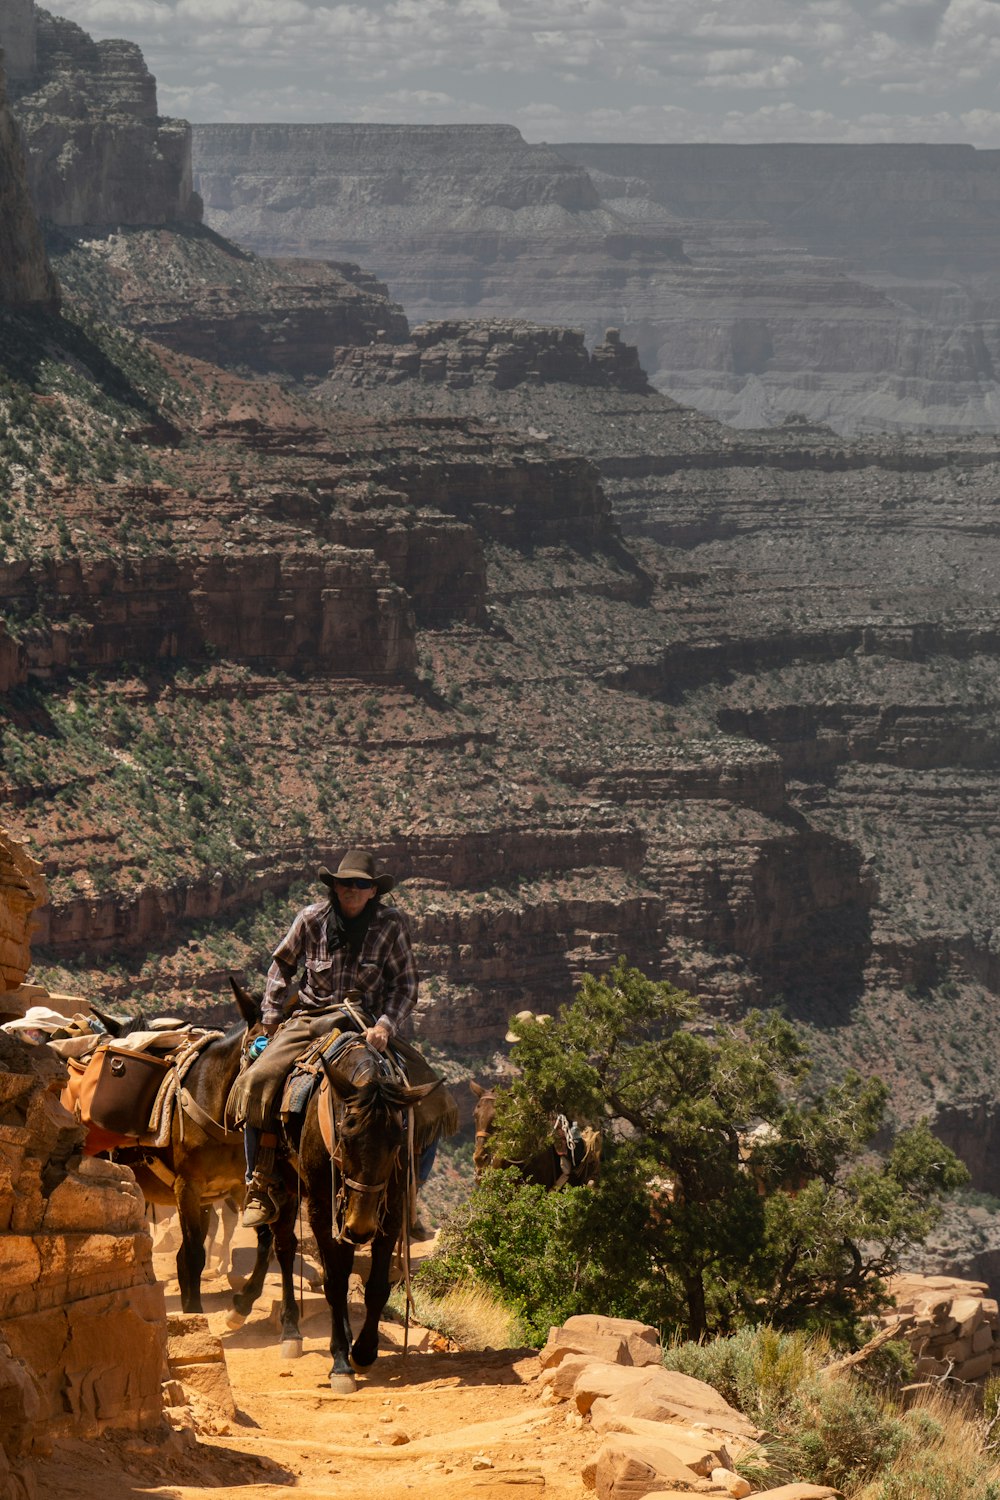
pixel 942 1458
pixel 469 1315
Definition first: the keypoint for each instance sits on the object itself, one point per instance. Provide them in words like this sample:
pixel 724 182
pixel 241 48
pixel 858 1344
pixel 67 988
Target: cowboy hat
pixel 514 1035
pixel 358 864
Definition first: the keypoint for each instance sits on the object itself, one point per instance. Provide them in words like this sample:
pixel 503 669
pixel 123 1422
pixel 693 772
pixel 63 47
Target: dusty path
pixel 447 1425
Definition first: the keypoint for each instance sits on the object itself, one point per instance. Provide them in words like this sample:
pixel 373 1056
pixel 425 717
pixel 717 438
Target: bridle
pixel 482 1135
pixel 342 1186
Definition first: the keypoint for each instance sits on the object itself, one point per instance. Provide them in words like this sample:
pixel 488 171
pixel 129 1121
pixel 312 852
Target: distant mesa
pixel 852 284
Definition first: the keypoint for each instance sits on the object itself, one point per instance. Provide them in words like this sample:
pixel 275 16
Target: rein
pixel 340 1184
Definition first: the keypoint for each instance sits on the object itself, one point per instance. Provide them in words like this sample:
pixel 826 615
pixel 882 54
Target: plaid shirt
pixel 384 971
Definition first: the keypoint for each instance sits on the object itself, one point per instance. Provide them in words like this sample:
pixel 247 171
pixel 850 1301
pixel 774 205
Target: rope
pixel 298 1219
pixel 409 1203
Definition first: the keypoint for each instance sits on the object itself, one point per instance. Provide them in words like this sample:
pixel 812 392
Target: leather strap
pixel 201 1117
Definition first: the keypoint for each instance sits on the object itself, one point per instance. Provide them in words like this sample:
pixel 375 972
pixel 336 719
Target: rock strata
pixel 22 891
pixel 952 1326
pixel 195 292
pixel 98 151
pixel 849 283
pixel 26 279
pixel 82 1320
pixel 494 352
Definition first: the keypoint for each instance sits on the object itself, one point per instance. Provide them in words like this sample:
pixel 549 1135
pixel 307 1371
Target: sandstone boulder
pixel 621 1341
pixel 196 1359
pixel 799 1491
pixel 652 1395
pixel 629 1466
pixel 697 1449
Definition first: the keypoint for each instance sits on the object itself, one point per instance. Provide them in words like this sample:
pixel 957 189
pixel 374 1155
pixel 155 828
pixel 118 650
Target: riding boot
pixel 261 1204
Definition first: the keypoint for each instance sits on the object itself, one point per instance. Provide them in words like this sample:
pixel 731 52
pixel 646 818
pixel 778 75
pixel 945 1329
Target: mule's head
pixel 484 1116
pixel 370 1150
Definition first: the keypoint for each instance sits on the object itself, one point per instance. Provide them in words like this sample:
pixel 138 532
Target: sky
pixel 580 70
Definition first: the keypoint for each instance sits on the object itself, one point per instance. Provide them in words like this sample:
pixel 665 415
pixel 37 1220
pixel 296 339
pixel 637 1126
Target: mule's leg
pixel 228 1212
pixel 286 1244
pixel 337 1260
pixel 191 1255
pixel 244 1300
pixel 365 1350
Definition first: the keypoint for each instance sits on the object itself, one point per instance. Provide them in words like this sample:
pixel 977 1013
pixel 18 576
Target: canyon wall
pixel 82 1318
pixel 98 152
pixel 854 285
pixel 26 279
pixel 18 39
pixel 908 210
pixel 22 890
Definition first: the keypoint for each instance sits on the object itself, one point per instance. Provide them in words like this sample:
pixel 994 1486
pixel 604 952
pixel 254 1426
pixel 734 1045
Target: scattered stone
pixel 952 1326
pixel 733 1484
pixel 196 1358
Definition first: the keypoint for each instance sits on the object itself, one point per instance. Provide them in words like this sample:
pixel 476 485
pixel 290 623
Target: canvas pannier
pixel 125 1089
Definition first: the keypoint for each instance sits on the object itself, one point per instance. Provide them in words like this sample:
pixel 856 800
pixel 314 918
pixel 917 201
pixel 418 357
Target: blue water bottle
pixel 257 1046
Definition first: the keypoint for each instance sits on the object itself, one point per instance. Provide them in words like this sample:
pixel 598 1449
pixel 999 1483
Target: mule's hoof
pixel 235 1319
pixel 360 1368
pixel 342 1385
pixel 291 1348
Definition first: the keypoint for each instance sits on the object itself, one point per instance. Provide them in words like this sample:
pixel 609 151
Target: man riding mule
pixel 359 974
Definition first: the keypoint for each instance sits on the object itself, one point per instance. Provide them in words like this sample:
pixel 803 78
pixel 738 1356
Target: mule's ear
pixel 418 1091
pixel 111 1024
pixel 476 1088
pixel 342 1087
pixel 249 1009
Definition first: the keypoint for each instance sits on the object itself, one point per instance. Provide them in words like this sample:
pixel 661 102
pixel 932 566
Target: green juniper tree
pixel 728 1195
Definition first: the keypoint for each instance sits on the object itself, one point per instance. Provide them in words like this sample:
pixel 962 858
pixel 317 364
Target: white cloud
pixel 652 69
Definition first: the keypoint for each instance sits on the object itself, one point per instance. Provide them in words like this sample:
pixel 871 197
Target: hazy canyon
pixel 855 285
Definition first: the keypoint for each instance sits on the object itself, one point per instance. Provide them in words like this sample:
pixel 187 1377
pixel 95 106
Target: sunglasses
pixel 354 883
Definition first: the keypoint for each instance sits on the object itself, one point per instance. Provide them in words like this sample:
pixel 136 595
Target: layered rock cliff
pixel 82 1319
pixel 196 292
pixel 98 151
pixel 22 890
pixel 26 279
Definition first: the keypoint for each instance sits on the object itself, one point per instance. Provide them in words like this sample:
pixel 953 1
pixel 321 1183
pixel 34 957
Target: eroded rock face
pixel 25 276
pixel 195 292
pixel 82 1320
pixel 494 352
pixel 22 889
pixel 330 606
pixel 17 38
pixel 98 152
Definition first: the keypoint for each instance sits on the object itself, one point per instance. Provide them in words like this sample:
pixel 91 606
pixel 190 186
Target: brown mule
pixel 544 1166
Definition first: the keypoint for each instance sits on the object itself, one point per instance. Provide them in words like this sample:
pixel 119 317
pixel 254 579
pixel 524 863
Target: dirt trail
pixel 446 1424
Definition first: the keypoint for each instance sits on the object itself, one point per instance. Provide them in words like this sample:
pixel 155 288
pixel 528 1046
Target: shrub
pixel 795 1225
